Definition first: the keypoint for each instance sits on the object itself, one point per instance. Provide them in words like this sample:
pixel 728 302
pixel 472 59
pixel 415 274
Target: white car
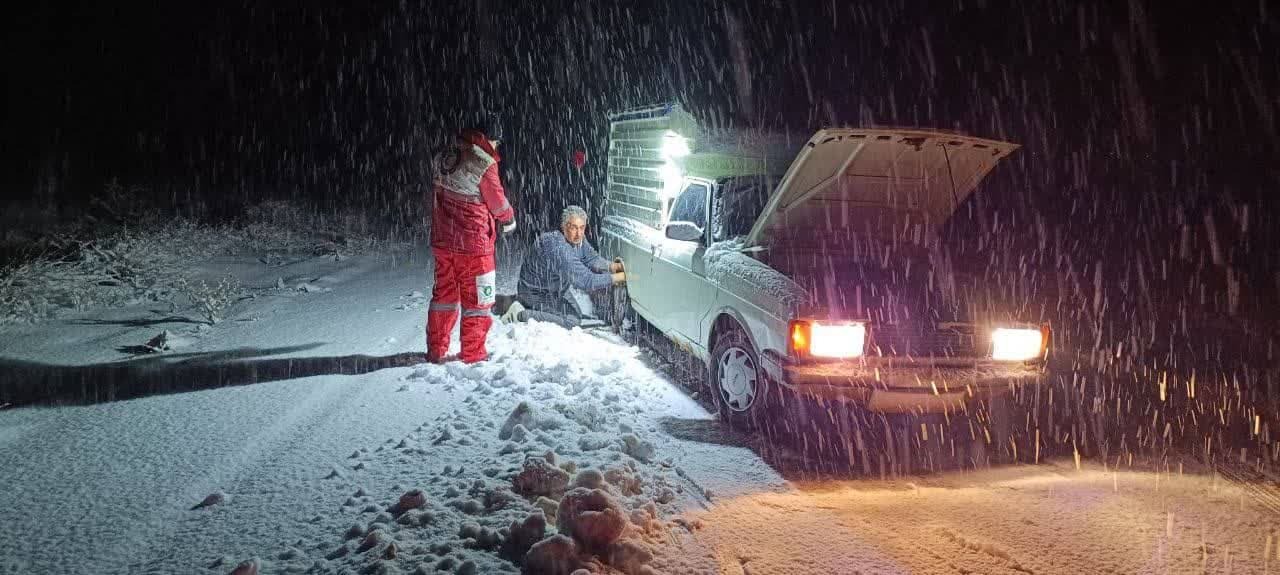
pixel 811 266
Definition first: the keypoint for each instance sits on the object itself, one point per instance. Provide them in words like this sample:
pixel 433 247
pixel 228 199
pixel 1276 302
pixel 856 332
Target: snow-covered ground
pixel 305 433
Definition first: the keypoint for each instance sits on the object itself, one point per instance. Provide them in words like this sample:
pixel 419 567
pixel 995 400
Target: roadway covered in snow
pixel 305 434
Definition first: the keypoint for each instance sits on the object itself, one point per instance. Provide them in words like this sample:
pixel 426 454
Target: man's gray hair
pixel 572 212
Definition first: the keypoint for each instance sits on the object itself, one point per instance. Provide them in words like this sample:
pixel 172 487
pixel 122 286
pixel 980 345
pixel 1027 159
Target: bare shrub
pixel 212 300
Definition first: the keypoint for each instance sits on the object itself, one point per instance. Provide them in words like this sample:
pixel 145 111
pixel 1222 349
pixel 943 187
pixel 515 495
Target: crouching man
pixel 560 261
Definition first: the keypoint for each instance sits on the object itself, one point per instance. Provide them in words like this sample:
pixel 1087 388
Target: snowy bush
pixel 126 267
pixel 211 300
pixel 127 254
pixel 123 205
pixel 283 226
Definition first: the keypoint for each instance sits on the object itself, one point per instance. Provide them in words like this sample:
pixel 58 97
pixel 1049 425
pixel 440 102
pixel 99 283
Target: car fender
pixel 765 354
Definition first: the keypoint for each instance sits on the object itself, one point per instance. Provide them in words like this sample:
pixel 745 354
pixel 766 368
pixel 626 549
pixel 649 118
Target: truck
pixel 811 265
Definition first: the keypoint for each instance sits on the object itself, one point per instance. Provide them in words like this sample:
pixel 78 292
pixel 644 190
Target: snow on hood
pixel 729 266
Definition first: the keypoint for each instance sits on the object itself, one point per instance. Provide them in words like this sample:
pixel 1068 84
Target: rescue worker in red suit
pixel 468 200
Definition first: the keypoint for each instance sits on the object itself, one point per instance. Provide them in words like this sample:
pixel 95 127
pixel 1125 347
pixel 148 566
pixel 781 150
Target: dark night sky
pixel 1139 103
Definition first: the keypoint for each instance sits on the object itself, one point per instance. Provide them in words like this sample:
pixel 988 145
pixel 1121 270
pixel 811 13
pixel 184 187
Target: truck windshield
pixel 737 203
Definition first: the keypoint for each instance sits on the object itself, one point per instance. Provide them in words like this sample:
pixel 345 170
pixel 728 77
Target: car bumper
pixel 909 387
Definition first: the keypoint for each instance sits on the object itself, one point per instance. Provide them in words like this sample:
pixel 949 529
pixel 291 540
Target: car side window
pixel 738 203
pixel 691 205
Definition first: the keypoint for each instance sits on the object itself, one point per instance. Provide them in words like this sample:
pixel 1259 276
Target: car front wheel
pixel 738 384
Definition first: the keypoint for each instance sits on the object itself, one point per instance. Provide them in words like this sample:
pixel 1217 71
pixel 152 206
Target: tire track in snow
pixel 315 441
pixel 985 548
pixel 1262 486
pixel 319 399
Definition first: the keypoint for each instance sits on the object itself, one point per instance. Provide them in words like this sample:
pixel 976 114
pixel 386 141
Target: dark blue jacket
pixel 554 265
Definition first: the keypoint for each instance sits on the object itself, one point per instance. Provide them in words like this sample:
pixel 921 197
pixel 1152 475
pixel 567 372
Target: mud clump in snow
pixel 624 481
pixel 249 567
pixel 539 477
pixel 412 499
pixel 548 506
pixel 589 479
pixel 478 537
pixel 592 518
pixel 555 555
pixel 646 517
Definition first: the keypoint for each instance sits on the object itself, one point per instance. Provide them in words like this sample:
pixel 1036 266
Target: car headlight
pixel 840 340
pixel 1013 344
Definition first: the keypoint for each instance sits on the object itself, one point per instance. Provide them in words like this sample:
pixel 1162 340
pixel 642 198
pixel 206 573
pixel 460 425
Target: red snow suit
pixel 468 198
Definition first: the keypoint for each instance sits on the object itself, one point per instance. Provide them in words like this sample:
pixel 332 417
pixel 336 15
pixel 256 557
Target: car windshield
pixel 738 203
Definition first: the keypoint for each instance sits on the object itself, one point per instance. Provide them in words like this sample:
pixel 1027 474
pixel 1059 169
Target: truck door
pixel 635 244
pixel 678 268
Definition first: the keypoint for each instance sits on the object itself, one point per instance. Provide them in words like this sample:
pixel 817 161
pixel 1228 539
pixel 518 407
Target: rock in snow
pixel 213 499
pixel 158 343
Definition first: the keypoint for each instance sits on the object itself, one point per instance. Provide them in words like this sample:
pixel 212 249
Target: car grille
pixel 901 340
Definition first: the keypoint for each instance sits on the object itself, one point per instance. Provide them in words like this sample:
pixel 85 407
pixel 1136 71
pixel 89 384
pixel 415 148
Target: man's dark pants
pixel 561 310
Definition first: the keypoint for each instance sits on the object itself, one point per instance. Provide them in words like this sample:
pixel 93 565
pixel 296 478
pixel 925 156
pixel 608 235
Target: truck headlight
pixel 1015 344
pixel 841 340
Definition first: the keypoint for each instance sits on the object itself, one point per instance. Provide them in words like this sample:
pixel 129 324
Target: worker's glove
pixel 509 227
pixel 617 265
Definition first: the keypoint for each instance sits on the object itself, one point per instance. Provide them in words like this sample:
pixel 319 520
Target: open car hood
pixel 876 182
